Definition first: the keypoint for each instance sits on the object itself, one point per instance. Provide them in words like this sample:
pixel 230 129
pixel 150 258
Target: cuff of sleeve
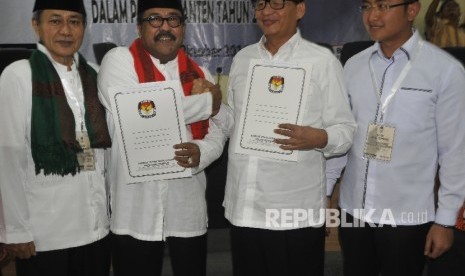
pixel 329 188
pixel 197 107
pixel 15 237
pixel 332 143
pixel 221 116
pixel 446 216
pixel 209 101
pixel 202 164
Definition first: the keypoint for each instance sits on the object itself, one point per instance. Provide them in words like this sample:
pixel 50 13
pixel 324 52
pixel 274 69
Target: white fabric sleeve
pixel 450 114
pixel 211 147
pixel 198 107
pixel 338 120
pixel 225 117
pixel 13 157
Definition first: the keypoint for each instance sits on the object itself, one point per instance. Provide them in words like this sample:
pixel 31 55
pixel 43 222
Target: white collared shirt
pixel 155 210
pixel 428 114
pixel 257 185
pixel 53 211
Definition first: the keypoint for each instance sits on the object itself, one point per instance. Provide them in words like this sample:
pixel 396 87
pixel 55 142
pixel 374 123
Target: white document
pixel 276 94
pixel 149 121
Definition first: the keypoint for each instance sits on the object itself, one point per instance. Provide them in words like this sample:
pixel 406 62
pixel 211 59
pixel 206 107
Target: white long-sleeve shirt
pixel 256 185
pixel 155 210
pixel 428 113
pixel 54 212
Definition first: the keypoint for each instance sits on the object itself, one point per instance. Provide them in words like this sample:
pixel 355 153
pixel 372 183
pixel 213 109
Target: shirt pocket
pixel 414 108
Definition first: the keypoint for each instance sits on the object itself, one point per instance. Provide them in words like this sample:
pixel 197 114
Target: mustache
pixel 162 34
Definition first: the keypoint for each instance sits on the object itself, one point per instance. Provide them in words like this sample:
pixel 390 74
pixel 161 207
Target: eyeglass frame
pixel 152 18
pixel 363 9
pixel 269 2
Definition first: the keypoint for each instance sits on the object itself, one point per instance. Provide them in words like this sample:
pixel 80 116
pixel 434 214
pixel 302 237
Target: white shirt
pixel 158 209
pixel 53 211
pixel 254 184
pixel 428 114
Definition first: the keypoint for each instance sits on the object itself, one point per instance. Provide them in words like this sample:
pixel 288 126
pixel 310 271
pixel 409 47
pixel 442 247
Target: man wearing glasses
pixel 147 215
pixel 256 185
pixel 407 97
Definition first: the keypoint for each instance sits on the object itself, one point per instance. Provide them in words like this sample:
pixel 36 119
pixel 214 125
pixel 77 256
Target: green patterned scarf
pixel 53 135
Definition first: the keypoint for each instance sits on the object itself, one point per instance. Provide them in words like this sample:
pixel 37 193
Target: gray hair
pixel 36 15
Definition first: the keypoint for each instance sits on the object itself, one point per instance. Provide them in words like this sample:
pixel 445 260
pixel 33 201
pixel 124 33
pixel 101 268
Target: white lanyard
pixel 397 83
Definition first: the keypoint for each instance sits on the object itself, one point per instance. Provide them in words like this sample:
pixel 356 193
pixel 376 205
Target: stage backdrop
pixel 217 29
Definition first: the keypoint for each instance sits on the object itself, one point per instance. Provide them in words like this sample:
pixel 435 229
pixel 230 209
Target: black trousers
pixel 452 262
pixel 87 260
pixel 133 257
pixel 385 251
pixel 261 252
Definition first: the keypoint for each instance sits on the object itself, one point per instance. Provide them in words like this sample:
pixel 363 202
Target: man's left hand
pixel 438 241
pixel 301 137
pixel 187 155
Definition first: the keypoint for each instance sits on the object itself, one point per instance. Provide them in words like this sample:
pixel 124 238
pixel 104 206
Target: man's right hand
pixel 21 250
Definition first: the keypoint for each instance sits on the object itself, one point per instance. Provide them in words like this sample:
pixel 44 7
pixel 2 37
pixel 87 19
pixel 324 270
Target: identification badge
pixel 379 142
pixel 85 158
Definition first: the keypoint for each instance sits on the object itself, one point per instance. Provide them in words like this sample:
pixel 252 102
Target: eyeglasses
pixel 157 21
pixel 274 4
pixel 382 6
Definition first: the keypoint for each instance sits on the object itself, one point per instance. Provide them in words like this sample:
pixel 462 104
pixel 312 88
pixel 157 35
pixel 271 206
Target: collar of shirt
pixel 406 49
pixel 169 69
pixel 286 48
pixel 71 85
